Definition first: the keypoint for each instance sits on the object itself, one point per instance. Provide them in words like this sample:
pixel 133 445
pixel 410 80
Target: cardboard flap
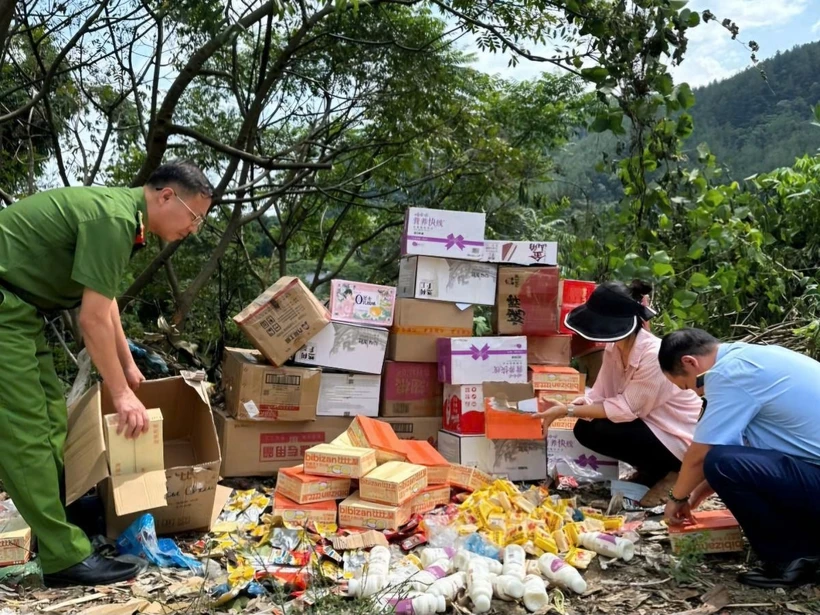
pixel 137 492
pixel 85 461
pixel 197 381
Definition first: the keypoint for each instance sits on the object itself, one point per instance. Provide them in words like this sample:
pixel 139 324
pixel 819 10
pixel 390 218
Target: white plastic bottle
pixel 479 586
pixel 375 578
pixel 558 572
pixel 431 555
pixel 533 568
pixel 515 561
pixel 448 587
pixel 424 579
pixel 607 545
pixel 535 593
pixel 508 588
pixel 378 562
pixel 420 605
pixel 462 560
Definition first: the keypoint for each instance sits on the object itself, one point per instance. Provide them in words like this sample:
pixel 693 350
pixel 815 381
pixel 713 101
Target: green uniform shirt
pixel 54 244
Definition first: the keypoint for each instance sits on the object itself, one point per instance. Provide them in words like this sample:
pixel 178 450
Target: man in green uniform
pixel 61 249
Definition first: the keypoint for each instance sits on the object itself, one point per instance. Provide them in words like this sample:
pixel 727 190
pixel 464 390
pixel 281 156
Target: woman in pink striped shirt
pixel 633 413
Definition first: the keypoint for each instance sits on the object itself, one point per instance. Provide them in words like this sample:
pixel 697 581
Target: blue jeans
pixel 775 497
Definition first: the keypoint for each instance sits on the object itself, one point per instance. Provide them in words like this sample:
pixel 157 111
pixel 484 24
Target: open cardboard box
pixel 184 496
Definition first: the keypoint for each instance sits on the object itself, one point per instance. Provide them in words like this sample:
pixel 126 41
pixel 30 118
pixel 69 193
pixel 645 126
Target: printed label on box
pixel 287 446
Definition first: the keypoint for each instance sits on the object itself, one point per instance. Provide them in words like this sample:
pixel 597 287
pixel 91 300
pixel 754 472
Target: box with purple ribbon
pixel 439 232
pixel 568 457
pixel 471 360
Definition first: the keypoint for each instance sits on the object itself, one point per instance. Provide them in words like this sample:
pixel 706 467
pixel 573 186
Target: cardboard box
pixel 580 347
pixel 430 498
pixel 471 360
pixel 714 531
pixel 440 232
pixel 330 460
pixel 181 497
pixel 573 294
pixel 521 252
pixel 469 478
pixel 293 513
pixel 15 542
pixel 515 460
pixel 393 483
pixel 527 301
pixel 590 366
pixel 362 304
pixel 356 513
pixel 447 279
pixel 256 390
pixel 346 347
pixel 552 350
pixel 423 453
pixel 262 448
pixel 418 325
pixel 282 319
pixel 567 457
pixel 411 390
pixel 365 432
pixel 349 395
pixel 423 429
pixel 464 404
pixel 302 488
pixel 134 455
pixel 556 379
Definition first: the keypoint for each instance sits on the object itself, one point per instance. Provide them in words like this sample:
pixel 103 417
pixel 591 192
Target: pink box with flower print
pixel 362 304
pixel 473 360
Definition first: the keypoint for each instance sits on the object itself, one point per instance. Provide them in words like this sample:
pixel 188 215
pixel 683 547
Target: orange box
pixel 333 461
pixel 430 499
pixel 509 425
pixel 559 379
pixel 365 432
pixel 422 453
pixel 355 512
pixel 394 483
pixel 302 488
pixel 471 479
pixel 717 530
pixel 299 514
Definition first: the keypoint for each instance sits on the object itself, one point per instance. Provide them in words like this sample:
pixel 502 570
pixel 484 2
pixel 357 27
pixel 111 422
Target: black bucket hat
pixel 608 315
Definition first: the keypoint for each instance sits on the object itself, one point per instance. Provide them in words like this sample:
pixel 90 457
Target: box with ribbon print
pixel 568 457
pixel 439 232
pixel 473 360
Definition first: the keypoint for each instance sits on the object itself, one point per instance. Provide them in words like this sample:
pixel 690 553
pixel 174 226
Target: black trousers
pixel 633 443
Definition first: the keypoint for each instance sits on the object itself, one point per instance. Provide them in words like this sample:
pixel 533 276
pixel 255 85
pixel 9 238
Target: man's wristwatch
pixel 677 500
pixel 570 410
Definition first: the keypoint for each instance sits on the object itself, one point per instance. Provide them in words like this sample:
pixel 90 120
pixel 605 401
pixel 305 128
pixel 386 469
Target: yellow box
pixel 330 460
pixel 135 455
pixel 294 484
pixel 355 512
pixel 393 483
pixel 300 514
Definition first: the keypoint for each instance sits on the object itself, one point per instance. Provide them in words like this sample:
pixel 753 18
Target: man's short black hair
pixel 184 174
pixel 678 344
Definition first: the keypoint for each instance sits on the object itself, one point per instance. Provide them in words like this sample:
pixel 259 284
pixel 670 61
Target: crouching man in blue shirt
pixel 757 445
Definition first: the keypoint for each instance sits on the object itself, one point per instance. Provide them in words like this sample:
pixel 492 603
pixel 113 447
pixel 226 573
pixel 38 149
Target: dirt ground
pixel 652 583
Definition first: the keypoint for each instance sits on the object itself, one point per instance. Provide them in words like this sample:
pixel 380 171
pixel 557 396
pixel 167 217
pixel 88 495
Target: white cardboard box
pixel 447 279
pixel 346 347
pixel 521 252
pixel 567 457
pixel 439 232
pixel 471 360
pixel 515 460
pixel 349 395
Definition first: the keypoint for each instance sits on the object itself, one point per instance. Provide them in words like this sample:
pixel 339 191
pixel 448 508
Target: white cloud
pixel 754 13
pixel 815 28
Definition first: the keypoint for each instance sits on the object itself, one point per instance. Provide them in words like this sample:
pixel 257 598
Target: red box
pixel 464 409
pixel 573 294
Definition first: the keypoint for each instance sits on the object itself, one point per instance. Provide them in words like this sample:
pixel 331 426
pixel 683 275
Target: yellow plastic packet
pixel 561 541
pixel 553 520
pixel 593 525
pixel 467 529
pixel 524 504
pixel 579 558
pixel 497 537
pixel 572 531
pixel 545 541
pixel 592 512
pixel 614 523
pixel 497 521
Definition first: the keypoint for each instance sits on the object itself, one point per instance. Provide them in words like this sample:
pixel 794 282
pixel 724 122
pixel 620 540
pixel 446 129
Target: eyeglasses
pixel 197 220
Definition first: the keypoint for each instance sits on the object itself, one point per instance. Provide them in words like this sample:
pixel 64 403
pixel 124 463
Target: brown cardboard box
pixel 556 379
pixel 426 428
pixel 411 390
pixel 282 319
pixel 527 301
pixel 302 488
pixel 429 499
pixel 255 389
pixel 15 542
pixel 355 512
pixel 365 432
pixel 349 348
pixel 134 455
pixel 422 453
pixel 590 364
pixel 418 324
pixel 332 461
pixel 549 350
pixel 182 496
pixel 349 395
pixel 716 531
pixel 262 448
pixel 469 478
pixel 393 483
pixel 296 514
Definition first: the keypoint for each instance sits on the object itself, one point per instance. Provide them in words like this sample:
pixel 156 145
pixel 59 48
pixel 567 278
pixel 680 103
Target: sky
pixel 776 25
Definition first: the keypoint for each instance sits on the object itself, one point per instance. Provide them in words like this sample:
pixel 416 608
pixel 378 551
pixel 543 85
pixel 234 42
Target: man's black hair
pixel 184 174
pixel 678 344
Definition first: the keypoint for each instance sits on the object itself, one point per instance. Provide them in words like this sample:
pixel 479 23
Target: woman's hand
pixel 550 411
pixel 580 401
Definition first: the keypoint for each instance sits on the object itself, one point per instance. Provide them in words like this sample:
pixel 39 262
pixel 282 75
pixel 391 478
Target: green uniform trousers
pixel 33 427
